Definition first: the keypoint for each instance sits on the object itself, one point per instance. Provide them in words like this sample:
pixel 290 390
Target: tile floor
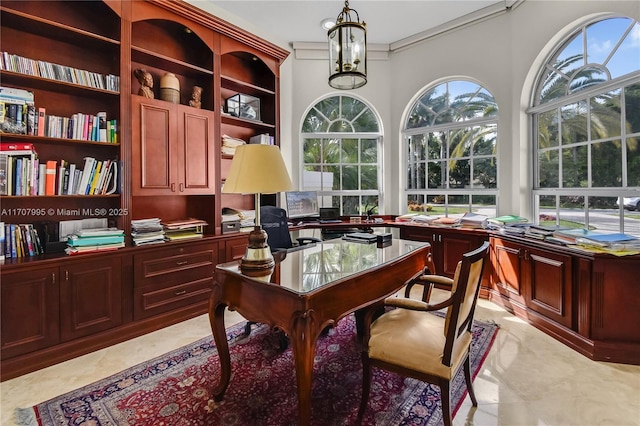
pixel 528 378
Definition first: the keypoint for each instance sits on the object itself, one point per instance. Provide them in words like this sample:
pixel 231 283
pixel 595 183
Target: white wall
pixel 502 53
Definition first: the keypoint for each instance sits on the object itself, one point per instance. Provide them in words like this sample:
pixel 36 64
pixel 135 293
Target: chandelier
pixel 348 51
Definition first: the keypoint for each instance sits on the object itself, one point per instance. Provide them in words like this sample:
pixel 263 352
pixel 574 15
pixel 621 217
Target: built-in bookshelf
pixel 69 63
pixel 81 57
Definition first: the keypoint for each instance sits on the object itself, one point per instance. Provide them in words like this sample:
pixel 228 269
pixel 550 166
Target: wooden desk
pixel 316 287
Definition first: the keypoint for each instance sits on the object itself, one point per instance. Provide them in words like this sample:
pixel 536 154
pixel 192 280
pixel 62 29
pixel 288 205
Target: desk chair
pixel 274 222
pixel 412 342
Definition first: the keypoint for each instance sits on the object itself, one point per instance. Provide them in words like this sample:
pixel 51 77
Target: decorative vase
pixel 170 88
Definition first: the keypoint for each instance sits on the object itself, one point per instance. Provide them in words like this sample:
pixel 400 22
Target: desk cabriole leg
pixel 303 342
pixel 216 319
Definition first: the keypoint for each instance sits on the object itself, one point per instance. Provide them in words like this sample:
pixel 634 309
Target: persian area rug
pixel 175 389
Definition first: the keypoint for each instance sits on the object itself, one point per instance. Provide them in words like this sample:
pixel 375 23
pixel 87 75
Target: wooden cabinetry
pixel 170 166
pixel 46 306
pixel 447 246
pixel 589 302
pixel 235 248
pixel 90 297
pixel 63 34
pixel 173 277
pixel 539 279
pixel 30 315
pixel 174 149
pixel 247 71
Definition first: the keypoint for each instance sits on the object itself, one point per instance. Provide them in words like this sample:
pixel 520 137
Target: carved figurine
pixel 196 95
pixel 146 82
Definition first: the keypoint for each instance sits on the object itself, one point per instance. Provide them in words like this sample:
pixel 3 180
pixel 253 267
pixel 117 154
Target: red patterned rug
pixel 175 389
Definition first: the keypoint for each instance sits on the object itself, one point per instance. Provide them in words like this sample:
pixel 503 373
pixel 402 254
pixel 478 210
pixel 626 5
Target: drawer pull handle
pixel 178 293
pixel 184 262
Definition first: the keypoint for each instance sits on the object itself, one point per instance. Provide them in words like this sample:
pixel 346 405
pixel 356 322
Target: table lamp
pixel 257 169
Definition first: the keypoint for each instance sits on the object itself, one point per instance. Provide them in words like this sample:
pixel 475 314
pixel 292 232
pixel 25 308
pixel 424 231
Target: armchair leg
pixel 467 378
pixel 446 404
pixel 366 387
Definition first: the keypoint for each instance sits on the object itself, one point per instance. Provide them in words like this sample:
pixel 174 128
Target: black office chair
pixel 274 221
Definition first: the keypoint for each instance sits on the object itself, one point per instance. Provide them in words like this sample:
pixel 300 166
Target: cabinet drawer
pixel 150 301
pixel 172 266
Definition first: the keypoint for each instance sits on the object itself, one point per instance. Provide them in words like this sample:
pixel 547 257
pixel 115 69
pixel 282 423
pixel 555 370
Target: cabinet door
pixel 548 283
pixel 235 248
pixel 30 311
pixel 90 297
pixel 454 245
pixel 196 148
pixel 506 274
pixel 154 156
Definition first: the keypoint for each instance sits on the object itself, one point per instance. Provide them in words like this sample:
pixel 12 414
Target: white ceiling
pixel 387 21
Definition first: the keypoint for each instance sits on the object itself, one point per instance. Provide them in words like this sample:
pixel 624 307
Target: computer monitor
pixel 302 204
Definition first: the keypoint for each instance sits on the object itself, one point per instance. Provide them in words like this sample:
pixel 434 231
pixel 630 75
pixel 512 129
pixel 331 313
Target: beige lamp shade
pixel 257 169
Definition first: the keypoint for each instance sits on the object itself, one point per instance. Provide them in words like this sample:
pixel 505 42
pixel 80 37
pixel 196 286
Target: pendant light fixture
pixel 348 51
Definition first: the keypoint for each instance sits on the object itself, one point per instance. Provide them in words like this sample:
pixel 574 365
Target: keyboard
pixel 330 221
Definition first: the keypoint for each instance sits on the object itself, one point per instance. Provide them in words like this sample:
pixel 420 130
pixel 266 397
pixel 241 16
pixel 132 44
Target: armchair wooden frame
pixel 396 340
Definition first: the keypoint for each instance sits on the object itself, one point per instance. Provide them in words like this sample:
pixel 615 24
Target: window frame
pixel 422 194
pixel 583 195
pixel 362 194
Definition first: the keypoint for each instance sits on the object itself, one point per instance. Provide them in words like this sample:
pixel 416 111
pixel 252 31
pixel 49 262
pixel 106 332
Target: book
pixel 71 180
pixel 611 238
pixel 473 220
pixel 3 174
pixel 99 232
pixel 93 248
pixel 91 186
pixel 61 172
pixel 508 219
pixel 570 235
pixel 102 126
pixel 42 178
pixel 42 113
pixel 50 178
pixel 89 163
pixel 77 241
pixel 2 241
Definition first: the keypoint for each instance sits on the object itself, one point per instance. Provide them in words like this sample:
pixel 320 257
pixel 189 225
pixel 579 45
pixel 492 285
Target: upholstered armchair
pixel 409 340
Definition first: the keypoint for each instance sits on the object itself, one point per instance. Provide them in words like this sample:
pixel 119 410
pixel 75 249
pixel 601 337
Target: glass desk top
pixel 320 264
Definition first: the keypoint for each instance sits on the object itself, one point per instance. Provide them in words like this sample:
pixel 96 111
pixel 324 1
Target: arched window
pixel 450 148
pixel 586 119
pixel 341 157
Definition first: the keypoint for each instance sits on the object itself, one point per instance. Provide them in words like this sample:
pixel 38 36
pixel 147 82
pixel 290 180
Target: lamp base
pixel 258 260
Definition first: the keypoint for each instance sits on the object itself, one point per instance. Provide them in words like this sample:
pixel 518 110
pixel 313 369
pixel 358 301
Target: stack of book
pixel 263 139
pixel 19 168
pixel 183 229
pixel 229 145
pixel 147 231
pixel 446 221
pixel 507 220
pixel 17 111
pixel 20 241
pixel 474 220
pixel 94 240
pixel 43 69
pixel 597 241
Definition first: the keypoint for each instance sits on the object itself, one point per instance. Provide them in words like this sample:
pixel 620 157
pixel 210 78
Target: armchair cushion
pixel 417 342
